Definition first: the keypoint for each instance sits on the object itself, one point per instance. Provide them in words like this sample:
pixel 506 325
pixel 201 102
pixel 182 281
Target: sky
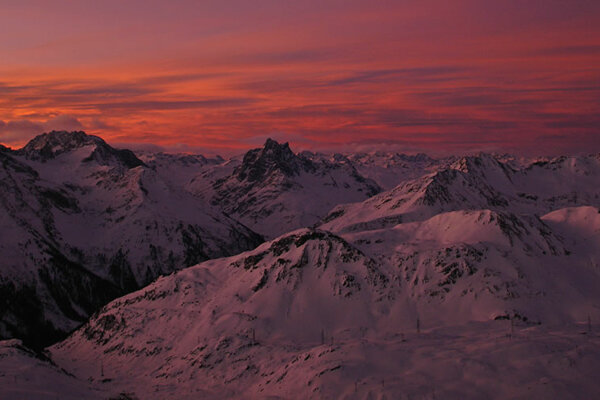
pixel 519 76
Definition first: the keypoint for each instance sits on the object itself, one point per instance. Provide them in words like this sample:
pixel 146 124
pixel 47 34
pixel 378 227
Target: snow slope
pixel 178 169
pixel 471 236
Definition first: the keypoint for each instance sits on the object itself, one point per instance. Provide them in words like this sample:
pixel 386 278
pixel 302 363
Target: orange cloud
pixel 429 75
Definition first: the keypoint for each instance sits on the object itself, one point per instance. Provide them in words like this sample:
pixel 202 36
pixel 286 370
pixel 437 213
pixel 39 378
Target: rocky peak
pixel 471 163
pixel 258 163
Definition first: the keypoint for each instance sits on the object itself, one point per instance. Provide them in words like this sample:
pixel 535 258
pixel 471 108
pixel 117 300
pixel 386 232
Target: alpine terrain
pixel 383 275
pixel 83 223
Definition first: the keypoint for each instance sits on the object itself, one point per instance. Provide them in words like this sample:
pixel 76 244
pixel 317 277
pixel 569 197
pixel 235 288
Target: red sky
pixel 220 76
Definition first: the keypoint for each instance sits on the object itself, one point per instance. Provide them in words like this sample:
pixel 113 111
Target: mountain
pixel 456 259
pixel 477 277
pixel 49 146
pixel 85 223
pixel 473 183
pixel 481 227
pixel 232 322
pixel 273 190
pixel 311 314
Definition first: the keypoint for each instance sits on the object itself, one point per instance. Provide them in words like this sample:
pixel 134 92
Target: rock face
pixel 272 190
pixel 84 223
pixel 259 164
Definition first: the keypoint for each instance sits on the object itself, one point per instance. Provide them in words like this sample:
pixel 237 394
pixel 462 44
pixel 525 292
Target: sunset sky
pixel 221 76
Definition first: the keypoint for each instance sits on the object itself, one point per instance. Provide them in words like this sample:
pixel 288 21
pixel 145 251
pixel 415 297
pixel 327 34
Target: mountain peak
pixel 273 156
pixel 50 145
pixel 273 144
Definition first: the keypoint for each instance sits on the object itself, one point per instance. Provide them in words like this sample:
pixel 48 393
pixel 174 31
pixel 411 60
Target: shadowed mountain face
pixel 84 223
pixel 272 158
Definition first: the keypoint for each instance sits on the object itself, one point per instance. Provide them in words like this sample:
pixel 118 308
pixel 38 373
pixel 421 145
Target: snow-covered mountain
pixel 473 277
pixel 83 223
pixel 311 314
pixel 273 191
pixel 481 232
pixel 474 183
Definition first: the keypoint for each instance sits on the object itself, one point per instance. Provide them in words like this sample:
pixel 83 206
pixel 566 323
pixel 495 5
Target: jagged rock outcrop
pixel 274 190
